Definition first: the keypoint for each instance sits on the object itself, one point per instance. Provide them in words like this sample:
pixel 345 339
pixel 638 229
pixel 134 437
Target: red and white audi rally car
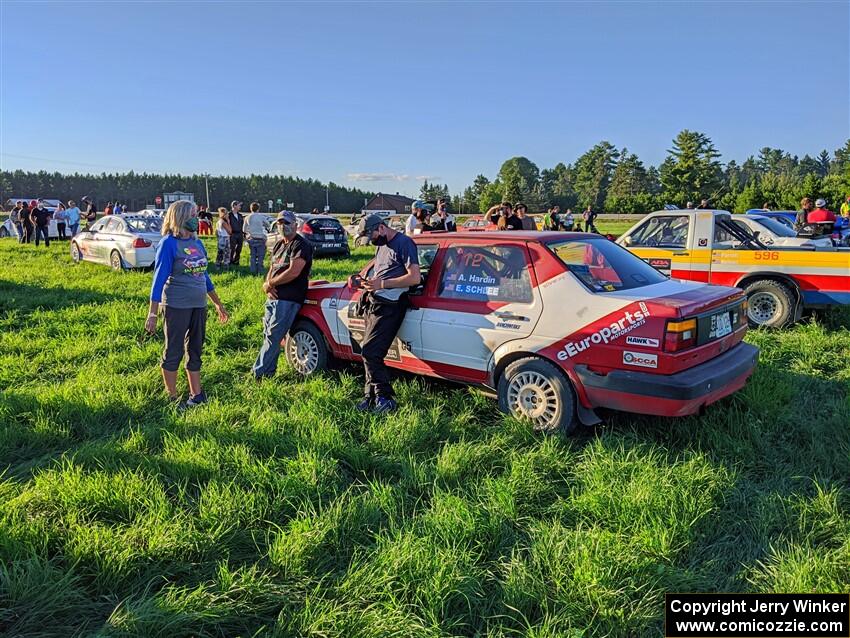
pixel 557 323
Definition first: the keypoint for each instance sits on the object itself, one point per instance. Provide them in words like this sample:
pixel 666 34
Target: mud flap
pixel 587 416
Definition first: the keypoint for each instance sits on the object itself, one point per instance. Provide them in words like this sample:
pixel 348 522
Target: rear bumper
pixel 671 395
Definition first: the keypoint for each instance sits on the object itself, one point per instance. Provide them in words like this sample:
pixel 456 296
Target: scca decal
pixel 641 359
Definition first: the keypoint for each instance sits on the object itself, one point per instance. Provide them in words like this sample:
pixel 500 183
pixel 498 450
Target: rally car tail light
pixel 138 242
pixel 306 229
pixel 680 335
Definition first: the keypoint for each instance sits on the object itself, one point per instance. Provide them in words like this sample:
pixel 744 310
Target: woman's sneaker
pixel 196 400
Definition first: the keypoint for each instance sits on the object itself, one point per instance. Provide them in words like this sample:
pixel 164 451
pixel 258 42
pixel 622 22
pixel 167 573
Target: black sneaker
pixel 365 405
pixel 196 400
pixel 384 405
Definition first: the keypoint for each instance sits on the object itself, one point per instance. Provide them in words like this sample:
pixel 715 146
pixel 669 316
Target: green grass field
pixel 278 510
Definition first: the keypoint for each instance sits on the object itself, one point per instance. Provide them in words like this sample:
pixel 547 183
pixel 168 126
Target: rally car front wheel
pixel 305 348
pixel 535 390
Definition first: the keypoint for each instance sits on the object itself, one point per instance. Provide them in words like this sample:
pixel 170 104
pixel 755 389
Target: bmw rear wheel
pixel 115 261
pixel 533 389
pixel 305 349
pixel 76 255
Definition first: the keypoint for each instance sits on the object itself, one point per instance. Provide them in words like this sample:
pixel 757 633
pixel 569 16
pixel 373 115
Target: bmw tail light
pixel 138 242
pixel 680 335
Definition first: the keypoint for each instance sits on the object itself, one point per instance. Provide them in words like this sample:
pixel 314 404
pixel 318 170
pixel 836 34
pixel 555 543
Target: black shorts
pixel 185 330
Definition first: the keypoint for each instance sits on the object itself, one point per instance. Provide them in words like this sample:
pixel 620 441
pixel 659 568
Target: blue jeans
pixel 257 254
pixel 277 320
pixel 74 228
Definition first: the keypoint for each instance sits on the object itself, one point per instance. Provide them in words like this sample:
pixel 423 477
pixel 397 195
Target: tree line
pixel 615 180
pixel 138 190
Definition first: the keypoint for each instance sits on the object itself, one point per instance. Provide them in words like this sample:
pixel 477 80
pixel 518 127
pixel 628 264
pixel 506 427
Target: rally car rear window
pixel 603 266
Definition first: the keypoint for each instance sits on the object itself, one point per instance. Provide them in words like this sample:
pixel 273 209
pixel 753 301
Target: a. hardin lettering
pixel 606 334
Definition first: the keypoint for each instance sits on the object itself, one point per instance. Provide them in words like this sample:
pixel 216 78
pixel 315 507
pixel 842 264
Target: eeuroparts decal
pixel 606 334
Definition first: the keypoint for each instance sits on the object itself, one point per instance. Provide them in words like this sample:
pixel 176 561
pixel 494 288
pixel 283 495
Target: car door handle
pixel 510 315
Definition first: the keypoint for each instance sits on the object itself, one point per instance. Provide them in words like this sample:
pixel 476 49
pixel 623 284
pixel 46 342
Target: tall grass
pixel 279 510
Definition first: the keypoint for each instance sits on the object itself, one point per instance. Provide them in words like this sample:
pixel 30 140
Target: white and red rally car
pixel 557 323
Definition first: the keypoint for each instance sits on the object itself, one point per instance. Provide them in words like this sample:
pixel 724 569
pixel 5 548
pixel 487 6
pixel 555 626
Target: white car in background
pixel 774 233
pixel 119 241
pixel 8 229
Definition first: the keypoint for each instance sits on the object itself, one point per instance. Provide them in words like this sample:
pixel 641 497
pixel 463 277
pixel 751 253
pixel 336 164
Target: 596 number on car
pixel 766 255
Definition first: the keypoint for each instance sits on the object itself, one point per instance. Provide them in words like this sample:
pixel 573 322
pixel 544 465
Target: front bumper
pixel 677 394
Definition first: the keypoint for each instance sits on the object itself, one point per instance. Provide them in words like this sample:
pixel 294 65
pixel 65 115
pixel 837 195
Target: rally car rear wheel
pixel 535 390
pixel 115 261
pixel 305 348
pixel 76 255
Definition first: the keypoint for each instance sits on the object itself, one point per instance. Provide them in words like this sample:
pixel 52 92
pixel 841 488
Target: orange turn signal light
pixel 682 326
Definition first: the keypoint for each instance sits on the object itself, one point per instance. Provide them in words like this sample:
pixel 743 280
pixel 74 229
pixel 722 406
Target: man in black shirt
pixel 40 217
pixel 237 235
pixel 91 211
pixel 286 288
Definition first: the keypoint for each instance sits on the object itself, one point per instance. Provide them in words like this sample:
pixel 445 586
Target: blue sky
pixel 381 95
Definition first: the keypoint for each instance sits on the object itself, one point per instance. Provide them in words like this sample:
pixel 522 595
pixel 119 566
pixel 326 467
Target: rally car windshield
pixel 603 266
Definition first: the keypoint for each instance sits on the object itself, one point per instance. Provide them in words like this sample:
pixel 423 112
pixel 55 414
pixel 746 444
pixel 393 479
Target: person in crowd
pixel 589 217
pixel 237 235
pixel 91 211
pixel 442 219
pixel 17 223
pixel 286 288
pixel 689 206
pixel 526 222
pixel 61 220
pixel 222 234
pixel 555 218
pixel 802 218
pixel 107 210
pixel 72 217
pixel 766 207
pixel 547 219
pixel 821 215
pixel 315 211
pixel 26 222
pixel 844 211
pixel 40 218
pixel 205 221
pixel 703 205
pixel 117 209
pixel 417 222
pixel 499 214
pixel 181 284
pixel 384 304
pixel 255 232
pixel 568 221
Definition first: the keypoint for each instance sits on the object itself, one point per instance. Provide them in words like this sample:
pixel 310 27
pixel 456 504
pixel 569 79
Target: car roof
pixel 510 235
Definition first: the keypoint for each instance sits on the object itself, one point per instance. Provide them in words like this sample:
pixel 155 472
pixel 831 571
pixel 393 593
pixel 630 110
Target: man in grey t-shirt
pixel 396 268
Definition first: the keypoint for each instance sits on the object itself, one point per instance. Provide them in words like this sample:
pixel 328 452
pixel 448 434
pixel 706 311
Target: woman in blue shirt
pixel 182 285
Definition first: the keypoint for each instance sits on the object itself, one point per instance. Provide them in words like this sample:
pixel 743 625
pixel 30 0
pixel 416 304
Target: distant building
pixel 176 196
pixel 398 203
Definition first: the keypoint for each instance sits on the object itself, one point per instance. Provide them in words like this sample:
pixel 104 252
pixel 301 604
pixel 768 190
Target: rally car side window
pixel 664 231
pixel 486 273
